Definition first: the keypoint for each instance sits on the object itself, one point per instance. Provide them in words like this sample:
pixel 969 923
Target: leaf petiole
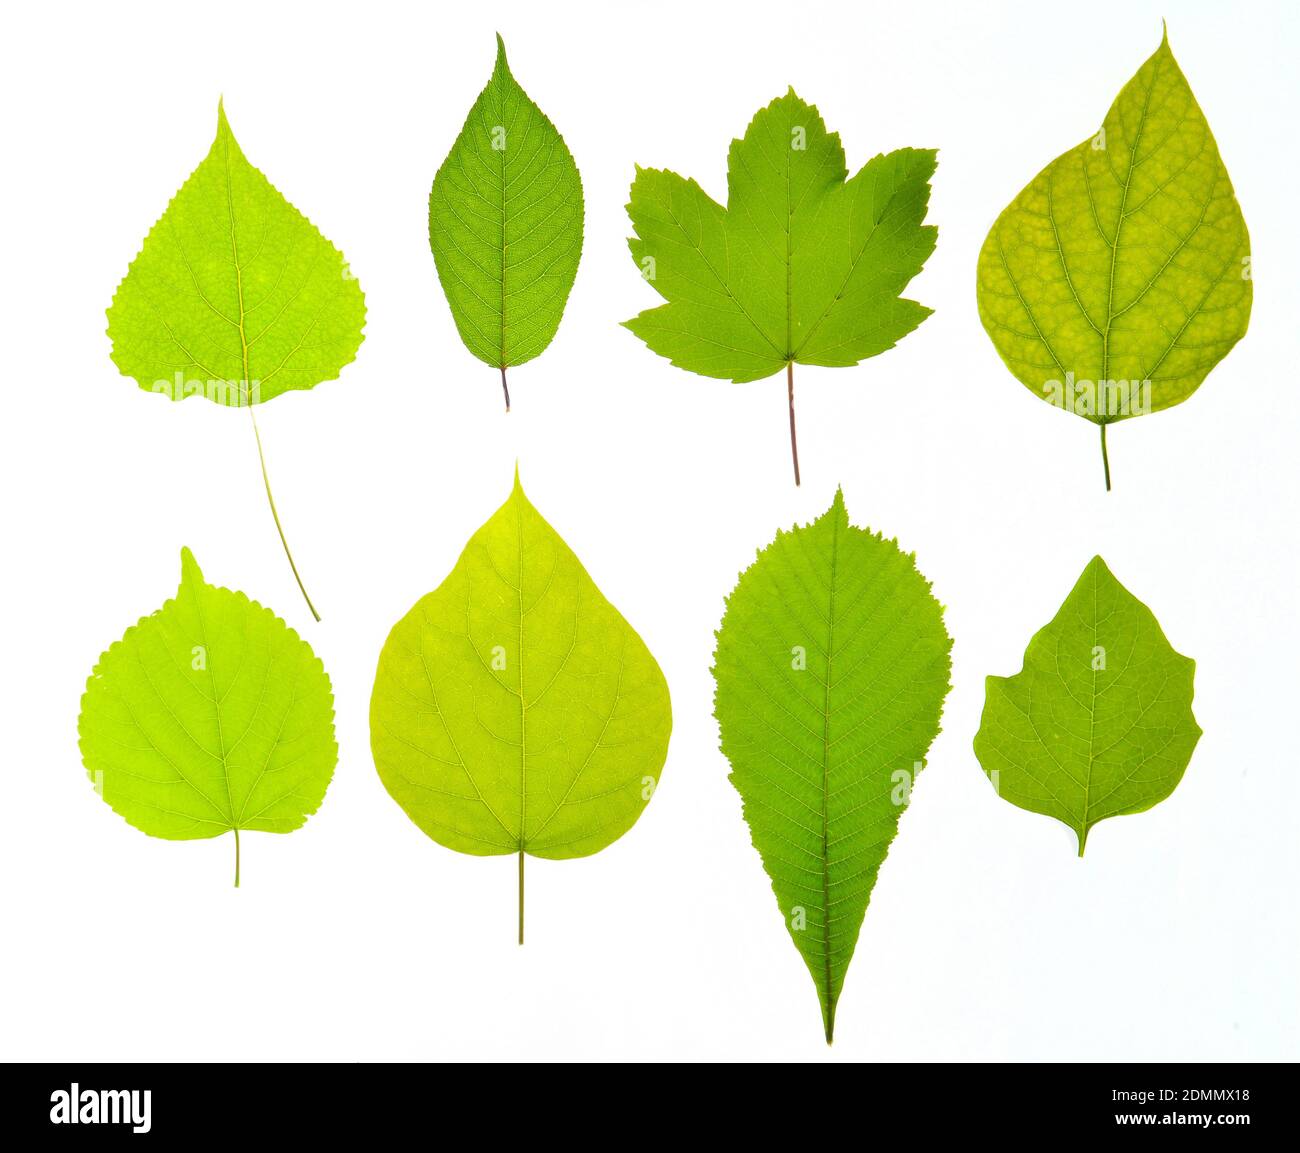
pixel 236 858
pixel 505 387
pixel 1105 463
pixel 794 440
pixel 266 480
pixel 521 896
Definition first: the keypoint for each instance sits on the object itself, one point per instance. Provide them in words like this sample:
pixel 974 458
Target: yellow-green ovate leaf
pixel 514 709
pixel 804 265
pixel 235 296
pixel 1099 721
pixel 832 667
pixel 211 715
pixel 1121 274
pixel 505 225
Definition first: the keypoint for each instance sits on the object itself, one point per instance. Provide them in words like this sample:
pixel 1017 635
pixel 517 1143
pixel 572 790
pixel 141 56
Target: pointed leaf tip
pixel 190 571
pixel 1098 564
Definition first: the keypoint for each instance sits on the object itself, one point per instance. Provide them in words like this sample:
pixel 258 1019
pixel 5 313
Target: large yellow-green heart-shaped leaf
pixel 505 225
pixel 235 296
pixel 804 265
pixel 514 710
pixel 1099 721
pixel 1120 276
pixel 209 716
pixel 832 668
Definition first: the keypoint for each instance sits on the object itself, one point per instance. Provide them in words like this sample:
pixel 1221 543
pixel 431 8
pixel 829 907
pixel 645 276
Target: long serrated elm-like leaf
pixel 505 225
pixel 804 265
pixel 832 666
pixel 1099 721
pixel 514 709
pixel 1120 275
pixel 209 716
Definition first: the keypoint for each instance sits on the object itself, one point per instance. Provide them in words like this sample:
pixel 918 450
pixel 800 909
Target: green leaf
pixel 1121 274
pixel 208 716
pixel 801 267
pixel 514 709
pixel 505 225
pixel 1099 721
pixel 832 667
pixel 235 296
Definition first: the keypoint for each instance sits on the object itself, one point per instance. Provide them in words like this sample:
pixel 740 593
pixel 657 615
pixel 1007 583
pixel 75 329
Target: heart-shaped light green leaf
pixel 1099 721
pixel 802 266
pixel 235 296
pixel 832 667
pixel 505 225
pixel 1121 274
pixel 514 709
pixel 208 716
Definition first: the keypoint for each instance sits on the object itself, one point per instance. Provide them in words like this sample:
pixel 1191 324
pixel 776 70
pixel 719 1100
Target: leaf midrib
pixel 239 272
pixel 1119 222
pixel 523 700
pixel 826 783
pixel 216 706
pixel 499 82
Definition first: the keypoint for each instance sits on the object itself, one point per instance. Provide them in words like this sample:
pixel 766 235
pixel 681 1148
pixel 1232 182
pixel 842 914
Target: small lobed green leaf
pixel 1098 723
pixel 802 265
pixel 209 715
pixel 514 709
pixel 235 295
pixel 832 666
pixel 505 224
pixel 1120 275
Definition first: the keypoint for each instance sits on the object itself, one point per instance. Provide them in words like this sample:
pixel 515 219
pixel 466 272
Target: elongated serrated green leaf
pixel 1099 721
pixel 514 709
pixel 832 667
pixel 211 715
pixel 803 266
pixel 505 225
pixel 235 295
pixel 1121 274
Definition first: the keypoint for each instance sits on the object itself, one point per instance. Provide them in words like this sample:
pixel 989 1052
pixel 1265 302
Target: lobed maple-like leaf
pixel 1120 275
pixel 804 265
pixel 1099 721
pixel 832 667
pixel 209 716
pixel 514 709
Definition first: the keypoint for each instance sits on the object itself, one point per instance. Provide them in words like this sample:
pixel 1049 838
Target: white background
pixel 357 938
